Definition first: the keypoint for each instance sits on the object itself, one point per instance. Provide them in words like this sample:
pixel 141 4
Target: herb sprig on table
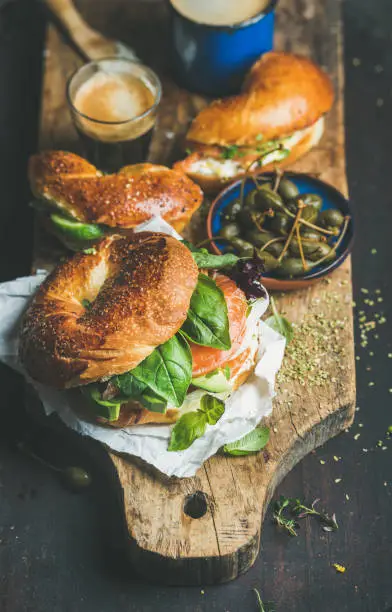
pixel 295 508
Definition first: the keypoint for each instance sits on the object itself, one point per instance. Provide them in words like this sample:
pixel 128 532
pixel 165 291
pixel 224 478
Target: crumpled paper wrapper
pixel 244 409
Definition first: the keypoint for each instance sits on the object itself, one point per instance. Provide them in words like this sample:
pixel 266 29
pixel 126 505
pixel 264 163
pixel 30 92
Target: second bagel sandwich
pixel 144 326
pixel 79 204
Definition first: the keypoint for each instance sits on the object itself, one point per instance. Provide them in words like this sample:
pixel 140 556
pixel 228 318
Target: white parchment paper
pixel 244 409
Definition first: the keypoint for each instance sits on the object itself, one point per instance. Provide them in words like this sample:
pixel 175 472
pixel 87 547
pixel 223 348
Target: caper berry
pixel 287 189
pixel 269 261
pixel 308 247
pixel 229 231
pixel 76 478
pixel 259 239
pixel 311 199
pixel 323 250
pixel 291 266
pixel 247 218
pixel 331 218
pixel 244 248
pixel 231 211
pixel 265 198
pixel 309 214
pixel 281 224
pixel 309 234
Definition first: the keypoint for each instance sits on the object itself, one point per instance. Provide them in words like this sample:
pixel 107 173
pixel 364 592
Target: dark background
pixel 58 550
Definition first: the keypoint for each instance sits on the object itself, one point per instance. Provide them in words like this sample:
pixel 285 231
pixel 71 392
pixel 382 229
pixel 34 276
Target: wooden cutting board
pixel 229 496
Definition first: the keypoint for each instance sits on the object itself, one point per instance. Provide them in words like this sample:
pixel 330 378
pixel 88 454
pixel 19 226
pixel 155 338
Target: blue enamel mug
pixel 213 59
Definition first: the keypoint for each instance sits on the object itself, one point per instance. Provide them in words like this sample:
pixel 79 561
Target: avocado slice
pixel 106 409
pixel 215 382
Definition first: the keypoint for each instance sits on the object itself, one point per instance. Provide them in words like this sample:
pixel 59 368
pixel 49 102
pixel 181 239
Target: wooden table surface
pixel 59 551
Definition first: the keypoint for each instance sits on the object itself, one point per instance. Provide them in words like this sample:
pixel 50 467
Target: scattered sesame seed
pixel 379 102
pixel 336 458
pixel 337 480
pixel 322 461
pixel 360 424
pixel 371 384
pixel 378 68
pixel 373 251
pixel 356 62
pixel 357 436
pixel 384 448
pixel 364 290
pixel 347 497
pixel 339 568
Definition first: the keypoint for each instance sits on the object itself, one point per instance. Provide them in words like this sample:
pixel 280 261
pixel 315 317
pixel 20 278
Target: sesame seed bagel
pixel 72 186
pixel 101 314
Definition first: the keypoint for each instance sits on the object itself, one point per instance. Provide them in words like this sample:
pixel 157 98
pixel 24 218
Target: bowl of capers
pixel 298 226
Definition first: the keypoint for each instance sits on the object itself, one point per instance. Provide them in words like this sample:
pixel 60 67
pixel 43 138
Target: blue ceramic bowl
pixel 213 60
pixel 332 198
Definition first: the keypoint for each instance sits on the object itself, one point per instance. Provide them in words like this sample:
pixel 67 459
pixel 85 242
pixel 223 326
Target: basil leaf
pixel 188 428
pixel 207 322
pixel 212 407
pixel 192 425
pixel 129 385
pixel 214 262
pixel 280 324
pixel 168 370
pixel 252 442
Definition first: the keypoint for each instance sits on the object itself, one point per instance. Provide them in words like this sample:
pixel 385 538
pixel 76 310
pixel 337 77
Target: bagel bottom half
pixel 207 167
pixel 132 413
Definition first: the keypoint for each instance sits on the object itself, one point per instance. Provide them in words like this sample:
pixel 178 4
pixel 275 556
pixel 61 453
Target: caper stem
pixel 337 243
pixel 301 205
pixel 301 251
pixel 278 177
pixel 279 239
pixel 255 221
pixel 304 222
pixel 317 228
pixel 31 454
pixel 209 240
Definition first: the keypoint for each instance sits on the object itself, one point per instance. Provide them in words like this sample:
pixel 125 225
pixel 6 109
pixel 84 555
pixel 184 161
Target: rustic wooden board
pixel 164 542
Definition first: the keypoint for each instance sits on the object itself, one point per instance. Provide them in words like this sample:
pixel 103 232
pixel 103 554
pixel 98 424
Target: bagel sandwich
pixel 140 329
pixel 79 204
pixel 276 119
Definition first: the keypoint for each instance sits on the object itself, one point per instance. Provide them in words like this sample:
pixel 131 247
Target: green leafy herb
pixel 230 152
pixel 192 425
pixel 226 371
pixel 280 519
pixel 212 407
pixel 328 523
pixel 90 251
pixel 167 371
pixel 86 304
pixel 188 151
pixel 259 137
pixel 132 388
pixel 208 261
pixel 207 322
pixel 262 606
pixel 299 510
pixel 251 443
pixel 214 262
pixel 280 324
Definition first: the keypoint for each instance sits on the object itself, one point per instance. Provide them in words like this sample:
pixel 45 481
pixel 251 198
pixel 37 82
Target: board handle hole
pixel 195 505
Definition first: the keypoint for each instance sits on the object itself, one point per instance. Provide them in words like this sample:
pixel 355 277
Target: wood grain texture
pixel 165 543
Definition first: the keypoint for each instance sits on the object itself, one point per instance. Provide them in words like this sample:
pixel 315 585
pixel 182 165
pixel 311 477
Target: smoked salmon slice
pixel 207 359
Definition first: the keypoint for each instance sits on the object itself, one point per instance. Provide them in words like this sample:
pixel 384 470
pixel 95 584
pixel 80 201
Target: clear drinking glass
pixel 113 103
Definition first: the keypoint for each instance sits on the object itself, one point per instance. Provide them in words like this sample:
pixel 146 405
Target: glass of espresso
pixel 113 105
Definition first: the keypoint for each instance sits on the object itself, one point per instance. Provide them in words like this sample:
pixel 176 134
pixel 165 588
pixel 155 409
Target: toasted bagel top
pixel 282 93
pixel 126 199
pixel 97 315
